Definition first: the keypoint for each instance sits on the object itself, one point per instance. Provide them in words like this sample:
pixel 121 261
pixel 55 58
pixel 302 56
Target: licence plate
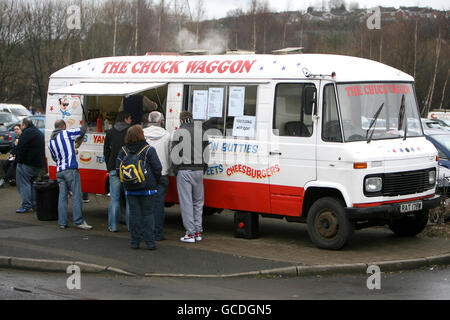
pixel 411 206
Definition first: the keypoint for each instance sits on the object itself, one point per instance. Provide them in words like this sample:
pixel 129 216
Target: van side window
pixel 331 127
pixel 290 117
pixel 219 105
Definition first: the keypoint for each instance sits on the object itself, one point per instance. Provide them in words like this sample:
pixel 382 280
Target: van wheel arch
pixel 315 193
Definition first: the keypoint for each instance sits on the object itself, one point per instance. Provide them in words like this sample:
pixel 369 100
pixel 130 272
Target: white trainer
pixel 198 236
pixel 188 238
pixel 84 226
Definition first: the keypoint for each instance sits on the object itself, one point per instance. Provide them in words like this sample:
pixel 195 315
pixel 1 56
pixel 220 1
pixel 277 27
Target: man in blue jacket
pixel 30 159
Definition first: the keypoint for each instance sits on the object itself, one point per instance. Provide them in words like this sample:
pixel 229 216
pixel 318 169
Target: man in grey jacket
pixel 159 138
pixel 189 163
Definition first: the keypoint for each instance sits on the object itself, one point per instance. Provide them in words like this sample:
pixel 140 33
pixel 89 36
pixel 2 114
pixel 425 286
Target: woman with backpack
pixel 139 169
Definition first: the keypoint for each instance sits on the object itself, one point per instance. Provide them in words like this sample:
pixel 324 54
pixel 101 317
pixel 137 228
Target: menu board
pixel 215 102
pixel 236 101
pixel 200 104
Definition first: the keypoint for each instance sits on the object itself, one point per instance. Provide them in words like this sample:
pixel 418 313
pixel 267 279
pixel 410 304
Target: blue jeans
pixel 69 180
pixel 158 206
pixel 141 220
pixel 25 176
pixel 114 204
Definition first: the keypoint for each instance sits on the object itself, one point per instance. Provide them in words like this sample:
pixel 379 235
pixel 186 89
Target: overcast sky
pixel 219 8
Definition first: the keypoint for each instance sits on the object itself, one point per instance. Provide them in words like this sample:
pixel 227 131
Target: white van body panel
pixel 268 173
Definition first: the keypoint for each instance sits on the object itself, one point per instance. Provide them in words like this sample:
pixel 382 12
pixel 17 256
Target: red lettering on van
pixel 136 66
pixel 107 64
pixel 174 67
pixel 192 65
pixel 247 66
pixel 99 139
pixel 123 68
pixel 212 66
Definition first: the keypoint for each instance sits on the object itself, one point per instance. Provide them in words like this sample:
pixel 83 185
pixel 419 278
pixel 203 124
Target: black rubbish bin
pixel 47 193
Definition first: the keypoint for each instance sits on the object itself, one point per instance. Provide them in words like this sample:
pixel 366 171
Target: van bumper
pixel 387 211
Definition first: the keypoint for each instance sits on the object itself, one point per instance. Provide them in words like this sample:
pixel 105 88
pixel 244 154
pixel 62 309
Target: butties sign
pixel 174 67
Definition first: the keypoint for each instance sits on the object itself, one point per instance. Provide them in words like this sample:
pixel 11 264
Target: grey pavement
pixel 282 248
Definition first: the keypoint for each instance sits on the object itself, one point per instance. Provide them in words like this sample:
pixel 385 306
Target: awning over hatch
pixel 106 89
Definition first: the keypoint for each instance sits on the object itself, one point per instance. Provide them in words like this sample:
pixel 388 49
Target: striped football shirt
pixel 63 150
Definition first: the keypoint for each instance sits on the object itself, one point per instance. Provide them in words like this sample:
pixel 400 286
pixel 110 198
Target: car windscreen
pixel 5 118
pixel 19 112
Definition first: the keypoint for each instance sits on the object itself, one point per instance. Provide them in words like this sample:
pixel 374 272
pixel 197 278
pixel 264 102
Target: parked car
pixel 16 109
pixel 39 122
pixel 6 139
pixel 7 118
pixel 434 124
pixel 441 140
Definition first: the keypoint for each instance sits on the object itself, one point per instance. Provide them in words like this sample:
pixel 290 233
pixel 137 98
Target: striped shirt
pixel 63 150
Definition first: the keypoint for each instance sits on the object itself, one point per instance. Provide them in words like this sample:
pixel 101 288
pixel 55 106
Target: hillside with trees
pixel 36 38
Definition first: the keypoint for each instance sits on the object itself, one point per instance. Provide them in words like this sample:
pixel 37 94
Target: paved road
pixel 281 244
pixel 419 284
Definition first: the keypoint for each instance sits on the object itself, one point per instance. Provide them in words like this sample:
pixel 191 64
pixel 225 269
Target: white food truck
pixel 332 141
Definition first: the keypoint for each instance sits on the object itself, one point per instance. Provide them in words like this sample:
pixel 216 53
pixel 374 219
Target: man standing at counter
pixel 114 140
pixel 62 149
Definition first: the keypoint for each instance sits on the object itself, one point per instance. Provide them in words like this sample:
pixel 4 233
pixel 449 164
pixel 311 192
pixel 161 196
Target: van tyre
pixel 328 225
pixel 410 226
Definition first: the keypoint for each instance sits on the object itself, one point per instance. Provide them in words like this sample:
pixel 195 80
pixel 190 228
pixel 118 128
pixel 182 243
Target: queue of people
pixel 138 161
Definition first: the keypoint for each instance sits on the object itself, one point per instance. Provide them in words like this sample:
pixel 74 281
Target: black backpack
pixel 132 170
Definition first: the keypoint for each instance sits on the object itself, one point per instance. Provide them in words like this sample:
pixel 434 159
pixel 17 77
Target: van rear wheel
pixel 328 225
pixel 410 226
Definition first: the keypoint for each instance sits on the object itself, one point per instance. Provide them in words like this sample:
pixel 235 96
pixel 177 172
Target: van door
pixel 292 149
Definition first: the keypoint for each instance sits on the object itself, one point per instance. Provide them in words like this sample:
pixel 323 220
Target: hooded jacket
pixel 188 149
pixel 114 140
pixel 31 148
pixel 153 165
pixel 159 138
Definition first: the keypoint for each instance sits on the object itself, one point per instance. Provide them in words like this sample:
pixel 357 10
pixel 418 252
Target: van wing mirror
pixel 309 100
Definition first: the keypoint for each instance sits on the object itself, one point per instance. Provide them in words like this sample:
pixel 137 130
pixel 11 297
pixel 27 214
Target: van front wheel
pixel 328 225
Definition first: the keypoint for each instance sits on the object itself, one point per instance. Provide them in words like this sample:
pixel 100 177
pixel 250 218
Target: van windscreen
pixel 377 111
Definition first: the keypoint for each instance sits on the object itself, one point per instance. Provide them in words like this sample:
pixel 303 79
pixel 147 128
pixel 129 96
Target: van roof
pixel 230 67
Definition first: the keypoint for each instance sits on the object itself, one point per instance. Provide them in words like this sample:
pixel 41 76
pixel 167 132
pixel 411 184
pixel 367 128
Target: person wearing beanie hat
pixel 188 168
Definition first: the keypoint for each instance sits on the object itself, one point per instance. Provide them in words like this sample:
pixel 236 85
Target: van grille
pixel 404 183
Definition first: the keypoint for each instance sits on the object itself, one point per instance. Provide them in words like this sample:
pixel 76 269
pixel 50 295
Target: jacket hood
pixel 136 146
pixel 121 126
pixel 55 133
pixel 155 133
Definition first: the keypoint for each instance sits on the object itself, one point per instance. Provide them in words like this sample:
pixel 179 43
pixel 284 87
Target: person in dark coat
pixel 9 165
pixel 140 201
pixel 30 159
pixel 114 140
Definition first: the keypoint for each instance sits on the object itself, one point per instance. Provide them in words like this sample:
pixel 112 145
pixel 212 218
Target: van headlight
pixel 373 184
pixel 432 177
